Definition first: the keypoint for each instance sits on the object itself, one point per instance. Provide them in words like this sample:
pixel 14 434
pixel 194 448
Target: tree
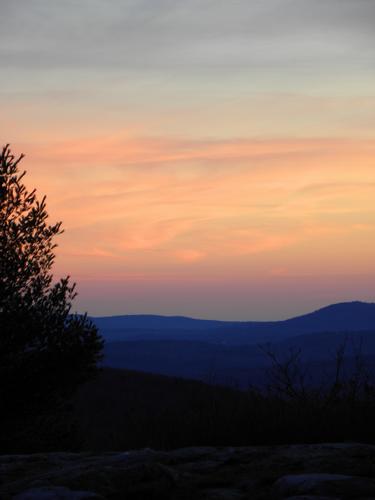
pixel 45 351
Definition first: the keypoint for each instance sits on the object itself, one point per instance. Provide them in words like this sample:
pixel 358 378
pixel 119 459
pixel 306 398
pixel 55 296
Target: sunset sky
pixel 210 158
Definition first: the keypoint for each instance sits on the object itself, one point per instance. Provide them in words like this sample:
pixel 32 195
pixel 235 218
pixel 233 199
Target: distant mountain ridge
pixel 341 317
pixel 230 351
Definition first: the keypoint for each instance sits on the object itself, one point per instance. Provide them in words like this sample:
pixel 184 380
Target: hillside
pixel 235 365
pixel 125 409
pixel 234 353
pixel 349 316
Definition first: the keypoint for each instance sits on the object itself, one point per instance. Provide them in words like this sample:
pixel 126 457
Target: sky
pixel 208 158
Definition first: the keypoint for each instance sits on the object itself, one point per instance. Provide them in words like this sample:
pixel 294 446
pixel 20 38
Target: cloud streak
pixel 167 206
pixel 203 143
pixel 168 34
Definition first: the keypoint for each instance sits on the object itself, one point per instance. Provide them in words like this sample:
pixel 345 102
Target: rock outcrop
pixel 327 471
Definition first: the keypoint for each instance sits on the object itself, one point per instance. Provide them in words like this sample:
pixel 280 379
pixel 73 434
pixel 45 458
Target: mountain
pixel 188 359
pixel 235 364
pixel 343 317
pixel 155 322
pixel 229 352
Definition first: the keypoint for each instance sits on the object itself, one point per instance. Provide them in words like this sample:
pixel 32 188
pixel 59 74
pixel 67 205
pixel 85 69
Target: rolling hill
pixel 343 317
pixel 230 353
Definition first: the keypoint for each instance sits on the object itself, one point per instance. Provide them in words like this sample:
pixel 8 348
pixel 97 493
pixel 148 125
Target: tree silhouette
pixel 45 351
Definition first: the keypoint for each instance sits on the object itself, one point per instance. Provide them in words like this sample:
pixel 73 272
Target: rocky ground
pixel 326 471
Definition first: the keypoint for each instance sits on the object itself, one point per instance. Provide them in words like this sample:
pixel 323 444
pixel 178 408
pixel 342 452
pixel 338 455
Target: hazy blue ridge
pixel 231 352
pixel 350 316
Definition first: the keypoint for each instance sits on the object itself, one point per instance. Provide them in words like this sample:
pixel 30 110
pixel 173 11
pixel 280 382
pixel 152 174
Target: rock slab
pixel 296 472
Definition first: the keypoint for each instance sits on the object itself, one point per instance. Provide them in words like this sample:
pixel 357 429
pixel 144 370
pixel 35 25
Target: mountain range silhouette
pixel 230 351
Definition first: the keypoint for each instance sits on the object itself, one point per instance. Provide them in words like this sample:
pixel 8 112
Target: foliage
pixel 124 409
pixel 45 351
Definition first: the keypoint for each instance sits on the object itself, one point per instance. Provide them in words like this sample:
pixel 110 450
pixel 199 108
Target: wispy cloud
pixel 197 140
pixel 170 34
pixel 151 203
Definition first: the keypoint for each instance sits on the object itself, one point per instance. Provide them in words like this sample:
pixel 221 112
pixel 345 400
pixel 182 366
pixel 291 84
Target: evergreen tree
pixel 45 351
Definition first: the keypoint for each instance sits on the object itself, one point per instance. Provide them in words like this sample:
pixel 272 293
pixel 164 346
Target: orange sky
pixel 188 184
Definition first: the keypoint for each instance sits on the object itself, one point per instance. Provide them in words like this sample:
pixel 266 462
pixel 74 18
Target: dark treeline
pixel 127 410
